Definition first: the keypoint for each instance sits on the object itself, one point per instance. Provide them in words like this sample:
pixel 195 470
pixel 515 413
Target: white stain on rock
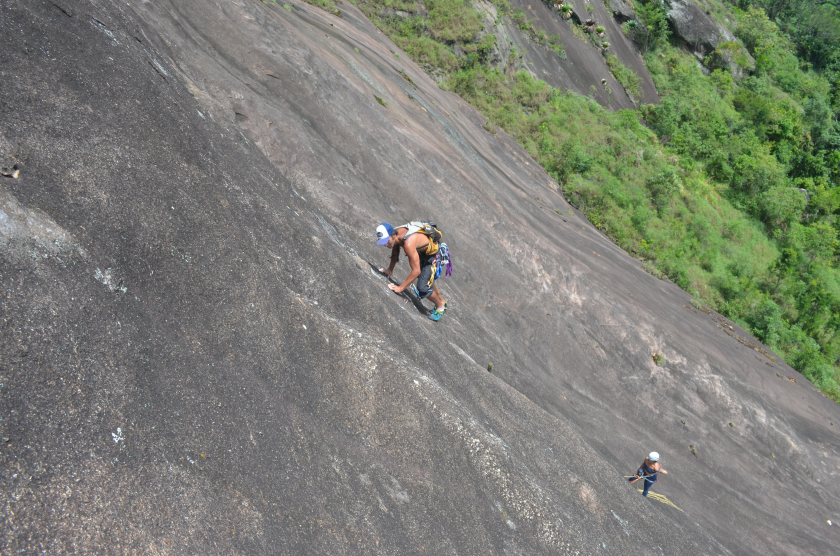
pixel 118 436
pixel 110 280
pixel 29 233
pixel 397 493
pixel 624 524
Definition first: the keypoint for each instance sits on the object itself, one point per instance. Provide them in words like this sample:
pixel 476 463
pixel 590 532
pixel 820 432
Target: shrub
pixel 650 31
pixel 624 75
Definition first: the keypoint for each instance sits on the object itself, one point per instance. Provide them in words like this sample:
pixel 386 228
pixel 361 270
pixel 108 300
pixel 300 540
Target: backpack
pixel 429 230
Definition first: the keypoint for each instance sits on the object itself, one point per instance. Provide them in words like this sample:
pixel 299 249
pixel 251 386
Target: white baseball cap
pixel 383 233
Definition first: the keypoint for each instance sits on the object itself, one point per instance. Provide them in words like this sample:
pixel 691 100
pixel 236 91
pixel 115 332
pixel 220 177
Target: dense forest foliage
pixel 730 187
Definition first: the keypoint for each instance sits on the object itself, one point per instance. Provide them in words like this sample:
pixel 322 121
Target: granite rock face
pixel 199 356
pixel 499 57
pixel 704 37
pixel 582 69
pixel 622 10
pixel 692 25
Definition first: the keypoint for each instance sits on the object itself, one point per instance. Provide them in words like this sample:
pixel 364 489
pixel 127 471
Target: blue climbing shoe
pixel 437 313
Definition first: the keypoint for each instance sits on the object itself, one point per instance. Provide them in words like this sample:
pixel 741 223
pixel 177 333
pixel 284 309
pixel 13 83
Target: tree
pixel 651 29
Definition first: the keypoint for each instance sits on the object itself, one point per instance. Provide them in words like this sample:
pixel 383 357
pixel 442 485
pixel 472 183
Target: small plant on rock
pixel 600 30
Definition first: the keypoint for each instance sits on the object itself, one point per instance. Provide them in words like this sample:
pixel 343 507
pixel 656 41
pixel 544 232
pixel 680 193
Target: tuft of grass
pixel 405 76
pixel 381 101
pixel 326 5
pixel 624 75
pixel 429 36
pixel 578 32
pixel 659 360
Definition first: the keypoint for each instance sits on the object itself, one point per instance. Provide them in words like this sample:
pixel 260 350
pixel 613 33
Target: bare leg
pixel 436 298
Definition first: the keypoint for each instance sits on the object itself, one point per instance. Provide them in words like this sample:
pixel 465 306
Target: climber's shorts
pixel 425 280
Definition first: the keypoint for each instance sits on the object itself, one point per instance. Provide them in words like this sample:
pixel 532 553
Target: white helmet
pixel 653 456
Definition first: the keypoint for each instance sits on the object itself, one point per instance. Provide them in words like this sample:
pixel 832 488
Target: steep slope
pixel 198 355
pixel 534 37
pixel 584 67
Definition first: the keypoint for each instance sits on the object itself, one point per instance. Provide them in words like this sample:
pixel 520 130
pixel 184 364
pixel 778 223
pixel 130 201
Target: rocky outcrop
pixel 702 36
pixel 622 10
pixel 499 57
pixel 694 27
pixel 732 56
pixel 578 65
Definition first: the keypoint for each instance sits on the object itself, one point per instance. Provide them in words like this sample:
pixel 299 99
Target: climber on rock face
pixel 420 244
pixel 648 471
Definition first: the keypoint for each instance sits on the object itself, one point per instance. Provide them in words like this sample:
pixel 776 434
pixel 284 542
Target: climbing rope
pixel 653 495
pixel 660 498
pixel 640 477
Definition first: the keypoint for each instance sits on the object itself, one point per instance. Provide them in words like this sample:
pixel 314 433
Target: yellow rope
pixel 432 277
pixel 660 498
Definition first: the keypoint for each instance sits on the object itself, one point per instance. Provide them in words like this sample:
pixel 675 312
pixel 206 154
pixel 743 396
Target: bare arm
pixel 410 247
pixel 395 257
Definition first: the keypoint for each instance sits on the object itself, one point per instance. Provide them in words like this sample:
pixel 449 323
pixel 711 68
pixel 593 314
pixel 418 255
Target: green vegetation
pixel 628 79
pixel 327 6
pixel 650 30
pixel 730 188
pixel 769 146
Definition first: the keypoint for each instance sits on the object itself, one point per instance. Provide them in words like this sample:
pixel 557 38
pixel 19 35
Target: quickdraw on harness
pixel 442 261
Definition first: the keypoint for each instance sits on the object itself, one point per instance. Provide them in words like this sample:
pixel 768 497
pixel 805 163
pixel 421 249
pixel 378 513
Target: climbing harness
pixel 641 477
